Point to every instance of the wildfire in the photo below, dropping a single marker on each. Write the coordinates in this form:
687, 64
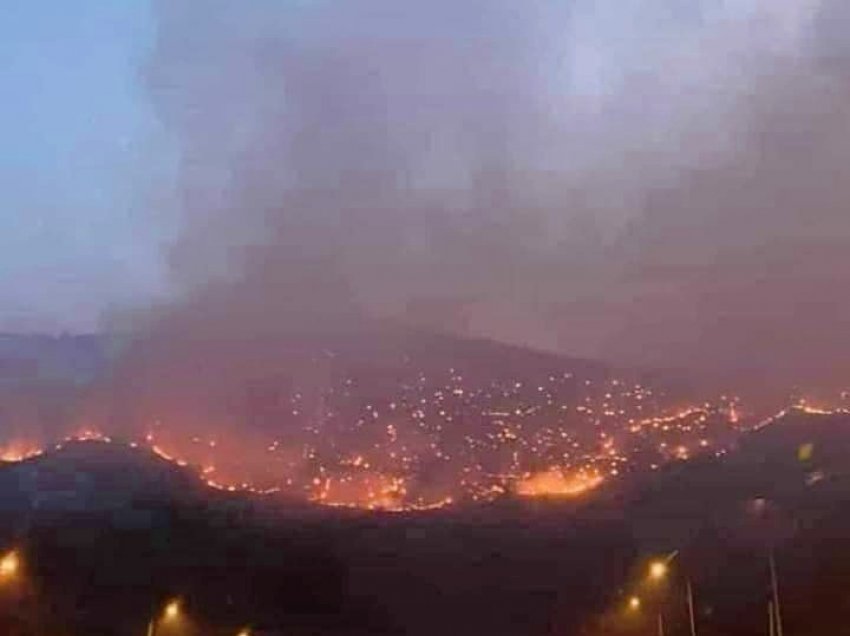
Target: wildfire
809, 409
19, 451
734, 416
88, 435
432, 445
555, 483
372, 491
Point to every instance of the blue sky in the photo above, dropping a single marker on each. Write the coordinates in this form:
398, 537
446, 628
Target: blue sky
80, 142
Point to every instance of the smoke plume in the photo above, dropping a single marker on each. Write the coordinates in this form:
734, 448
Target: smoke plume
653, 183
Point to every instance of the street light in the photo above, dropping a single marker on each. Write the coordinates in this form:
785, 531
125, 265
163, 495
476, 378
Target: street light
172, 610
634, 603
658, 570
170, 613
244, 632
10, 564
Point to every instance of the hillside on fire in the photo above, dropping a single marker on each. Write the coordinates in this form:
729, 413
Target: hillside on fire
99, 515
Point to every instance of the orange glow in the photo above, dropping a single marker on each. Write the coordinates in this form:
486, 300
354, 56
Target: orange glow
658, 570
810, 409
161, 453
88, 435
19, 451
172, 610
609, 432
10, 563
734, 418
370, 491
555, 483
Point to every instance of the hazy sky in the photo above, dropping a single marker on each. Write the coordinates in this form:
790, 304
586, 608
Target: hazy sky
75, 232
83, 155
652, 181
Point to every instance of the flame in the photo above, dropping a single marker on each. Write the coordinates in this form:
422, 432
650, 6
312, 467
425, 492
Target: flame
556, 483
88, 435
734, 416
18, 451
606, 433
809, 409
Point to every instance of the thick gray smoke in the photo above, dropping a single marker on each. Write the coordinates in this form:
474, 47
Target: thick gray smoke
660, 183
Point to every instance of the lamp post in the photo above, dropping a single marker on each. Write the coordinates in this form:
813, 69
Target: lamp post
16, 592
771, 525
170, 613
658, 570
10, 565
771, 627
691, 616
774, 584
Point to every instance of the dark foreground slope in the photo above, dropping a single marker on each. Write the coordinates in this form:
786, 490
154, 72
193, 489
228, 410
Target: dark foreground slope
785, 489
133, 530
109, 533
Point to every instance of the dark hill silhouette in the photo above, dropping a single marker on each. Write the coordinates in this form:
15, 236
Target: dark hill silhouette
110, 532
94, 476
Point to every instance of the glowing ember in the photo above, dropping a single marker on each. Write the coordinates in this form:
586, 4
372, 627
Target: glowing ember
804, 407
431, 443
9, 565
88, 435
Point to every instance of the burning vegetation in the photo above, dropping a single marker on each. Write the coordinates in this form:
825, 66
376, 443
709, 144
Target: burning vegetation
427, 439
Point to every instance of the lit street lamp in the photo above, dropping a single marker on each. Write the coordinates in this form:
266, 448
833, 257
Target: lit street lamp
771, 526
170, 613
10, 564
658, 570
16, 598
172, 610
635, 605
